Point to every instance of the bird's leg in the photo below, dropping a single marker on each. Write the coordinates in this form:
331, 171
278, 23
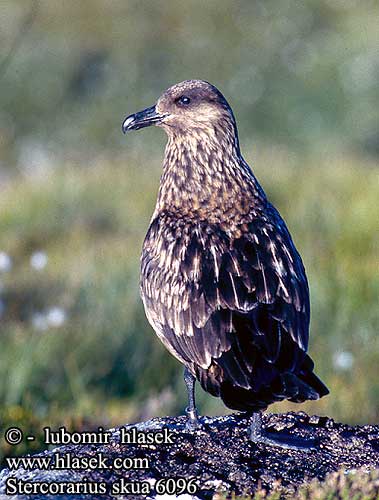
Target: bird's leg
191, 411
288, 442
256, 431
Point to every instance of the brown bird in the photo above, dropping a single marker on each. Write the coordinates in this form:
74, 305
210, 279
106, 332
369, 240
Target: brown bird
221, 280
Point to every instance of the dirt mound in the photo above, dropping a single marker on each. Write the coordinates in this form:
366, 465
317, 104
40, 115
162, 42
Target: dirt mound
219, 456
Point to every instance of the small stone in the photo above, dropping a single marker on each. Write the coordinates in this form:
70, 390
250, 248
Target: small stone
329, 424
314, 419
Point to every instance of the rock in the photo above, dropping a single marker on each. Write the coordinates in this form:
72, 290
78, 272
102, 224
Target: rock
218, 456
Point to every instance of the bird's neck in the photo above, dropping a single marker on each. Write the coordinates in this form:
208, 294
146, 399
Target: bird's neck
204, 175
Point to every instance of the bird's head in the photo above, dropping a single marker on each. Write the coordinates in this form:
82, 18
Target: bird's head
192, 105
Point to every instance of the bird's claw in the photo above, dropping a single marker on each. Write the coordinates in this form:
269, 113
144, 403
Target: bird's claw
285, 442
193, 421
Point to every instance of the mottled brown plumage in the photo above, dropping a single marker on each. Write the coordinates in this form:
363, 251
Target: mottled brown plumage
222, 283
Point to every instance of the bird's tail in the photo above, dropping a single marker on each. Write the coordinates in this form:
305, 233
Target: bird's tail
297, 387
309, 386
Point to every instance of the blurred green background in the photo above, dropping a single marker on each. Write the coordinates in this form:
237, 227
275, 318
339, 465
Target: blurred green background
76, 196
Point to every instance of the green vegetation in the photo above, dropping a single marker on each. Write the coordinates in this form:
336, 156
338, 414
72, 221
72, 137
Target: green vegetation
104, 354
303, 74
356, 485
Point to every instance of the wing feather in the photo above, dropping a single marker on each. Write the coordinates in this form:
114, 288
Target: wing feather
242, 297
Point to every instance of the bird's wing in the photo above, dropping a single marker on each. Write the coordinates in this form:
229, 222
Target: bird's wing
250, 285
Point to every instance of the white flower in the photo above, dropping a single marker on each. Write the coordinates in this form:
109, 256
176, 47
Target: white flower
56, 316
5, 262
38, 260
53, 318
343, 360
39, 321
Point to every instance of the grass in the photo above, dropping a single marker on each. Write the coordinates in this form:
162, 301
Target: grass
356, 485
81, 66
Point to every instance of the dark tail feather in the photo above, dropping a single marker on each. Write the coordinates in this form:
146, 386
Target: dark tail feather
307, 376
297, 387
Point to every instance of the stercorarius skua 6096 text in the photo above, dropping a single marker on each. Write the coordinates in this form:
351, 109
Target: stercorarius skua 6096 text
221, 280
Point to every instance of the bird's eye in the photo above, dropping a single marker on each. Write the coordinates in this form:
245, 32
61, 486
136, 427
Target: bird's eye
183, 100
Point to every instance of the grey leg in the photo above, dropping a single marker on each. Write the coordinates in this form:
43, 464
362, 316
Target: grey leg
289, 442
256, 434
191, 411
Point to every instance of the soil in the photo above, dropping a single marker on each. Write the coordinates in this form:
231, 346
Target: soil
219, 455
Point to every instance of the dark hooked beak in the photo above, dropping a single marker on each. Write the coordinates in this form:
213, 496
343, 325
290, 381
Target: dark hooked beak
145, 118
